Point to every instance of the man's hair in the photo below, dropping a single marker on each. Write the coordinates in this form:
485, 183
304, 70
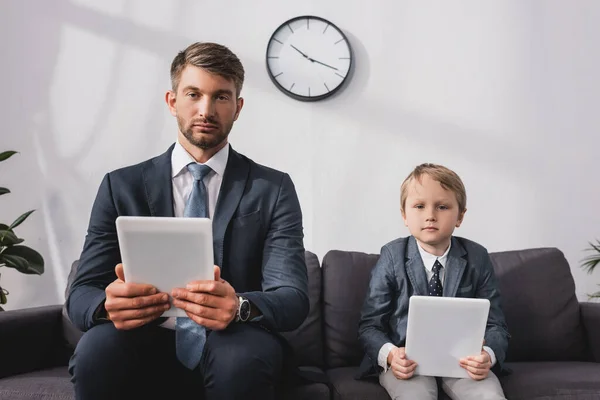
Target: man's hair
445, 176
211, 57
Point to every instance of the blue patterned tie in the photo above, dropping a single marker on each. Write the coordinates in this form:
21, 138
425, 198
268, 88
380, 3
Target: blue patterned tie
435, 284
189, 336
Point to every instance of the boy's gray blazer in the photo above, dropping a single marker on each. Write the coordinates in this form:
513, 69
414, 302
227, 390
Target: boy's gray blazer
400, 273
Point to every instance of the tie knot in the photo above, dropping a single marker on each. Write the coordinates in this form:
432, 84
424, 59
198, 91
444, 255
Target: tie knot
198, 171
436, 267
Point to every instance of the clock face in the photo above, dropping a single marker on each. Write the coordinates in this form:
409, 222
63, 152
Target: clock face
308, 58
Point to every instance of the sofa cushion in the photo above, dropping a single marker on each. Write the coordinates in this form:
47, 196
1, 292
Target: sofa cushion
348, 388
307, 340
55, 384
552, 380
540, 306
346, 277
313, 391
47, 384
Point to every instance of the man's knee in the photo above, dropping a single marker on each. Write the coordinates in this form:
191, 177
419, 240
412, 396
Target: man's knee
105, 351
247, 355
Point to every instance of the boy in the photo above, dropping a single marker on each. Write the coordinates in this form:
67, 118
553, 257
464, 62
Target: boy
430, 262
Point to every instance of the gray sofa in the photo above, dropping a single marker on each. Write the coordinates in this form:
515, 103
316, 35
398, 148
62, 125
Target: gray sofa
554, 351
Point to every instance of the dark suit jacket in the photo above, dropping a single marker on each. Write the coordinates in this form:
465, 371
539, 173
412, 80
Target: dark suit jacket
257, 237
400, 273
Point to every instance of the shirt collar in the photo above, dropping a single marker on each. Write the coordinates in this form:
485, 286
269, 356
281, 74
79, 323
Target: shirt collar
429, 259
180, 158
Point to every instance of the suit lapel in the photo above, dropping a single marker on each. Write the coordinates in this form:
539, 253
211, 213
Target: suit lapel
455, 267
159, 188
415, 269
230, 194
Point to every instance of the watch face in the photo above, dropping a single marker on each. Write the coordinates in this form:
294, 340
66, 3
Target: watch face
244, 310
308, 58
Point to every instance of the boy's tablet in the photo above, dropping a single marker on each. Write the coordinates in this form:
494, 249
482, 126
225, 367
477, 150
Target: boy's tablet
442, 330
166, 252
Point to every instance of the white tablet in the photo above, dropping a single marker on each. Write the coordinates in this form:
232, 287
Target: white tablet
166, 252
442, 330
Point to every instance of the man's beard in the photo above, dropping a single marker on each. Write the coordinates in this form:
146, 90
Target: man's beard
204, 142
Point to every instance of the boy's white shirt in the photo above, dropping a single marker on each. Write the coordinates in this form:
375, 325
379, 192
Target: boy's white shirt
428, 261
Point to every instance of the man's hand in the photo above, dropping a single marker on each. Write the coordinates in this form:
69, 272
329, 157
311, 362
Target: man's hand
402, 368
478, 367
212, 304
131, 305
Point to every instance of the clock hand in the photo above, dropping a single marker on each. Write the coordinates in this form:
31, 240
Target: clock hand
295, 48
319, 62
310, 59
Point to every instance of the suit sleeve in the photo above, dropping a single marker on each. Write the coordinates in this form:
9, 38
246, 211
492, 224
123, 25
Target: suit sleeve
97, 262
496, 332
284, 299
378, 307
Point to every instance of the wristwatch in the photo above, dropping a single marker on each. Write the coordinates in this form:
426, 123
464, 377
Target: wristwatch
243, 311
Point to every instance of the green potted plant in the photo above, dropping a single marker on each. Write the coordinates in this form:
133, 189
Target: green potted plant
12, 253
590, 262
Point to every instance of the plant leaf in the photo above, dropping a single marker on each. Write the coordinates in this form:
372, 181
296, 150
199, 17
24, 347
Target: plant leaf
4, 227
16, 262
8, 238
590, 262
19, 220
34, 259
4, 191
7, 154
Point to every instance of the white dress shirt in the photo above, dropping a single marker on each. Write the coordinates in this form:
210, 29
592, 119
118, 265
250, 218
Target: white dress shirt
183, 180
428, 261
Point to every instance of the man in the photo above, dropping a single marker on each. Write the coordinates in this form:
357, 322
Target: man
218, 352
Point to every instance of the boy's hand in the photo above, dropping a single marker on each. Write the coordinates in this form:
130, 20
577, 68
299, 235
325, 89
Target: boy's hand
478, 367
402, 368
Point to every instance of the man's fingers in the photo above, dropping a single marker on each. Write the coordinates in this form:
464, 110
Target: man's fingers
217, 273
203, 299
208, 323
218, 288
140, 302
118, 289
119, 272
216, 314
135, 323
139, 314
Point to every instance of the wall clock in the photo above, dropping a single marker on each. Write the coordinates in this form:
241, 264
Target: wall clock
308, 58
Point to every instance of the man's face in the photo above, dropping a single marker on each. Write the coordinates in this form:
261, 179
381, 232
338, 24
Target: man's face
205, 106
431, 213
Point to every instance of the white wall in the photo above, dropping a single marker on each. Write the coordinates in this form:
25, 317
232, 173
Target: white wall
504, 92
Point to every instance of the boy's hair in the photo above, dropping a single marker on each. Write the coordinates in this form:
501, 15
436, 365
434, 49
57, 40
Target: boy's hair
211, 57
445, 176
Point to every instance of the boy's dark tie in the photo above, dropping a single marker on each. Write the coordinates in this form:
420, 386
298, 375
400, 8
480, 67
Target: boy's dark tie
435, 284
189, 336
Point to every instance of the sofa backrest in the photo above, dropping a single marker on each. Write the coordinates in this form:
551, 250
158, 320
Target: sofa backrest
307, 340
538, 299
346, 277
540, 306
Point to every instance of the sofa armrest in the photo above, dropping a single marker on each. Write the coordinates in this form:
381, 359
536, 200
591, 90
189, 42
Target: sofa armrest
31, 339
590, 315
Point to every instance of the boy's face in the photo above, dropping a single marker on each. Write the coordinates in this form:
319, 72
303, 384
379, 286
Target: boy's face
431, 214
